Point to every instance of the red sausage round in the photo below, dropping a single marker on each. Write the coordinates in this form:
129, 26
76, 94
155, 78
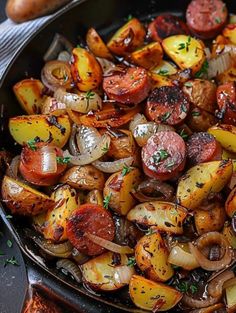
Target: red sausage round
164, 155
202, 147
206, 18
226, 100
130, 86
166, 25
167, 104
93, 219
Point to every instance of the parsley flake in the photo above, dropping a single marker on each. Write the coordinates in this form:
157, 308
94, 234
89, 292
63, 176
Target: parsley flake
186, 286
185, 45
183, 108
203, 71
32, 144
9, 217
105, 148
195, 113
183, 134
131, 261
188, 84
165, 116
129, 17
150, 231
9, 243
163, 72
126, 169
63, 160
106, 201
11, 261
160, 155
218, 20
89, 95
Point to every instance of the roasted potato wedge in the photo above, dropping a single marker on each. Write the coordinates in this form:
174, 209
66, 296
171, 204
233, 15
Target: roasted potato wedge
229, 32
56, 219
96, 45
151, 256
86, 71
202, 94
230, 204
164, 68
152, 296
199, 181
160, 80
231, 298
185, 51
85, 177
227, 76
39, 221
199, 120
128, 38
24, 200
29, 93
226, 135
148, 56
101, 273
94, 197
229, 234
163, 216
46, 127
210, 220
118, 189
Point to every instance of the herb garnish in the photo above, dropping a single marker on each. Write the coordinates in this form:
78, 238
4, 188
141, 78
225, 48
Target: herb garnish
183, 134
203, 70
218, 20
106, 201
131, 261
150, 231
129, 17
185, 287
185, 45
196, 113
183, 108
89, 95
32, 144
63, 160
188, 84
160, 155
126, 169
106, 148
165, 116
11, 261
163, 72
9, 243
9, 216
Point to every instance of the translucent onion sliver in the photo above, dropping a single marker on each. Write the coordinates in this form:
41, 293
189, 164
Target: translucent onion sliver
113, 166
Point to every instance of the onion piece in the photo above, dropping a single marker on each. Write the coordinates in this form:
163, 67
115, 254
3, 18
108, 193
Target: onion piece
79, 257
70, 267
210, 309
82, 102
109, 245
207, 52
182, 258
113, 166
56, 74
64, 56
87, 138
198, 303
105, 65
137, 119
12, 170
123, 274
219, 65
49, 161
86, 158
61, 250
58, 44
207, 240
215, 287
72, 143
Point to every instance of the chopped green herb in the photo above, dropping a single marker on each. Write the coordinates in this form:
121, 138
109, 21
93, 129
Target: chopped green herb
131, 261
106, 148
11, 261
65, 78
160, 155
78, 46
9, 243
183, 108
129, 17
106, 201
183, 286
63, 160
185, 45
193, 288
170, 164
175, 267
181, 46
32, 144
89, 95
9, 217
163, 72
196, 113
165, 116
204, 69
188, 84
183, 134
150, 231
218, 20
126, 169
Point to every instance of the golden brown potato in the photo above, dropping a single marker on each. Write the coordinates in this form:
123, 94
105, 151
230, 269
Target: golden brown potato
209, 220
229, 235
226, 135
227, 76
56, 219
202, 94
85, 177
199, 120
95, 197
24, 200
96, 45
229, 32
47, 127
231, 298
151, 256
152, 296
29, 93
160, 80
164, 68
185, 51
201, 180
118, 189
230, 204
148, 56
23, 10
101, 273
128, 38
86, 71
163, 216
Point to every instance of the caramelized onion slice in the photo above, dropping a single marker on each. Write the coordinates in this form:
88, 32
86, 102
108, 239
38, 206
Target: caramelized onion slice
49, 161
113, 166
70, 267
215, 287
198, 303
182, 258
60, 250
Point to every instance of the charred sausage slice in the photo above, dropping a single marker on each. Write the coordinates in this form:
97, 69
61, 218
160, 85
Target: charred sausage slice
206, 18
164, 155
93, 219
226, 100
130, 86
167, 104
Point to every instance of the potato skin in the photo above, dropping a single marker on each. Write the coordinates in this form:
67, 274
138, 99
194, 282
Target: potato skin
151, 256
23, 200
23, 10
85, 177
148, 56
96, 45
199, 120
202, 94
225, 135
94, 197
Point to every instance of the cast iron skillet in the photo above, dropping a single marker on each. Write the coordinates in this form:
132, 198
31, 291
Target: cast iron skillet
72, 22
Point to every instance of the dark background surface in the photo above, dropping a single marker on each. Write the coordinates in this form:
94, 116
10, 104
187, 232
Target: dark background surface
2, 12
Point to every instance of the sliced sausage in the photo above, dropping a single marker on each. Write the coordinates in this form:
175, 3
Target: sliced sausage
166, 25
226, 100
202, 147
31, 165
167, 104
164, 155
93, 219
131, 85
206, 18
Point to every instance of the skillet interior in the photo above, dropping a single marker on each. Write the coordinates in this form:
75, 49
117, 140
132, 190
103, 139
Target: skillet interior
105, 16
